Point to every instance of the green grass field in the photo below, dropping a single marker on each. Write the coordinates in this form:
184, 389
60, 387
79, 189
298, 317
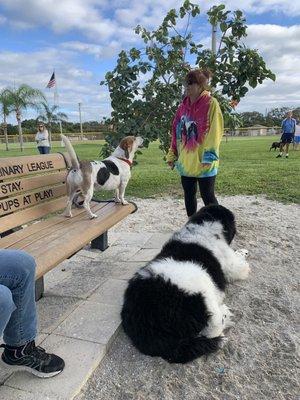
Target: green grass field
247, 167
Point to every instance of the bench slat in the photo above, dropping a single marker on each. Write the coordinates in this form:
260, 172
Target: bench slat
44, 228
59, 237
30, 214
17, 186
30, 199
77, 237
27, 165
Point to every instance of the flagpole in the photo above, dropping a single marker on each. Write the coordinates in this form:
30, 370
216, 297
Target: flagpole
57, 99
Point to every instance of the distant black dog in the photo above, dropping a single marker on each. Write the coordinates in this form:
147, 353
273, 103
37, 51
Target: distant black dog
275, 145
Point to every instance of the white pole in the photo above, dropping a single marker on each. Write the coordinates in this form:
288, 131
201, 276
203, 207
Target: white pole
81, 131
55, 90
56, 103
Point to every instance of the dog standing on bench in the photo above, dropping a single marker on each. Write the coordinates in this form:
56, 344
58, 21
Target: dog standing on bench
113, 173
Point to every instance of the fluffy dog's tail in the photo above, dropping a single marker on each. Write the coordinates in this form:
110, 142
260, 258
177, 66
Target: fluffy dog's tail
71, 151
189, 349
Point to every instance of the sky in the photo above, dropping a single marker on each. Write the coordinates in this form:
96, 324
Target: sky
81, 40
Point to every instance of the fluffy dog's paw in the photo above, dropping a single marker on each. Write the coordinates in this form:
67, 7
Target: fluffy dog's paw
226, 319
92, 216
67, 215
223, 342
124, 202
242, 252
244, 271
117, 200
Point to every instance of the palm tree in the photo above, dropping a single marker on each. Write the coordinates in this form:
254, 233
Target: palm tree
50, 114
5, 110
22, 98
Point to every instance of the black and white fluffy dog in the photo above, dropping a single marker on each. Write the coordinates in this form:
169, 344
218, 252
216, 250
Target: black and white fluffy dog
173, 307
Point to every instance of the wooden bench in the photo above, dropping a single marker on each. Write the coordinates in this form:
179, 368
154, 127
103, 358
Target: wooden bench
33, 188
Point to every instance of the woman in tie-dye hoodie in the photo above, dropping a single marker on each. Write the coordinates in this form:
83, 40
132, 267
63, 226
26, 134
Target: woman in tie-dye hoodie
196, 135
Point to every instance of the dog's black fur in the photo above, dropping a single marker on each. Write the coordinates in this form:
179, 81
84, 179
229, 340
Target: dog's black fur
275, 145
162, 319
199, 255
104, 173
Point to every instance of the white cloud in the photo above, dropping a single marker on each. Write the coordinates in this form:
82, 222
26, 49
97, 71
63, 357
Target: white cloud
287, 7
102, 20
61, 16
98, 51
2, 19
74, 84
279, 47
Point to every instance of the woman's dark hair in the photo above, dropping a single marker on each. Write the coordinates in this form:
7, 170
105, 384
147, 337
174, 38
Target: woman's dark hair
199, 76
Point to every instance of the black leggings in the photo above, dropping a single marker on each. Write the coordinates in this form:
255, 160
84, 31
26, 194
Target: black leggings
207, 191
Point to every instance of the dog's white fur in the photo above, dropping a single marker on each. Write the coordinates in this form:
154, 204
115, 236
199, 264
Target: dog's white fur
83, 178
233, 264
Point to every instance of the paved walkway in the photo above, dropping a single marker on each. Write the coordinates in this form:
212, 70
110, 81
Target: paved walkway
79, 316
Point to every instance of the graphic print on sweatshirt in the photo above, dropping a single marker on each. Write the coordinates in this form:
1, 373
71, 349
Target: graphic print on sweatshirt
187, 132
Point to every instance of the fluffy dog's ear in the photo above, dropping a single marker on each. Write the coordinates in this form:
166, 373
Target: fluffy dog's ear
216, 212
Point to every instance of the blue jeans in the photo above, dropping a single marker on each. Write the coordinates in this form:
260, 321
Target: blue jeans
18, 321
44, 149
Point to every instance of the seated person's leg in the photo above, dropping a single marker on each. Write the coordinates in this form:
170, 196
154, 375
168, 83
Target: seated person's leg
7, 306
17, 274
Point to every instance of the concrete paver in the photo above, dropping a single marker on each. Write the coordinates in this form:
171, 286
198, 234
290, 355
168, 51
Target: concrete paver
133, 239
52, 310
8, 393
94, 322
145, 255
157, 240
121, 270
111, 292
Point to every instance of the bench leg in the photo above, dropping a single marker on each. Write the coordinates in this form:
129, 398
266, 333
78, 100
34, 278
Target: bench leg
39, 288
101, 242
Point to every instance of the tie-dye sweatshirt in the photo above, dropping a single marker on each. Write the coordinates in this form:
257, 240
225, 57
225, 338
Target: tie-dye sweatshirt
197, 131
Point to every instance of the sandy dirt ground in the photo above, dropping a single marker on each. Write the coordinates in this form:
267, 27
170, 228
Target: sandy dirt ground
260, 357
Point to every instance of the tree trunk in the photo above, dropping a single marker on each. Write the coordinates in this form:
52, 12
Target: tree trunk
18, 116
50, 135
5, 132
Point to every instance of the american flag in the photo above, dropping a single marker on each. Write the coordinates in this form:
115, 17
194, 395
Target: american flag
52, 82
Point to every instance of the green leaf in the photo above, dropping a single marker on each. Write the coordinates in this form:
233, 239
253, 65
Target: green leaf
223, 26
272, 76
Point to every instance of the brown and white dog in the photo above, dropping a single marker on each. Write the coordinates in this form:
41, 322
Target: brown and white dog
113, 173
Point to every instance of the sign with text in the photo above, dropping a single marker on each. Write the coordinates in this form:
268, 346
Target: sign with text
11, 188
11, 167
9, 205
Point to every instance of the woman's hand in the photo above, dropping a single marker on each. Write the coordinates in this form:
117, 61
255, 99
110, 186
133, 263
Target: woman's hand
205, 165
171, 164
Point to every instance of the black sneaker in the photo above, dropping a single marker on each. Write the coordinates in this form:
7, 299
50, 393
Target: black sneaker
279, 155
33, 359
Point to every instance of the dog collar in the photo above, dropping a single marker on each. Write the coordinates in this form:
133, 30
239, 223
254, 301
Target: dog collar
127, 161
